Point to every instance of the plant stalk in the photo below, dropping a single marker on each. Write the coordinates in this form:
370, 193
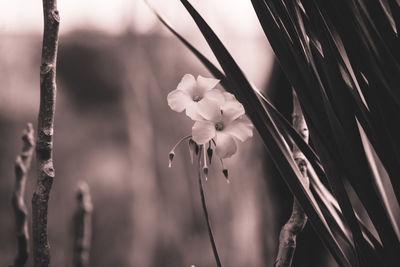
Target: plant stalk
82, 226
203, 202
44, 144
22, 165
298, 219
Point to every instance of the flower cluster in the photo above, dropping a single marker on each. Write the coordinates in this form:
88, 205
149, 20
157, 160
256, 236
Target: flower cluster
220, 120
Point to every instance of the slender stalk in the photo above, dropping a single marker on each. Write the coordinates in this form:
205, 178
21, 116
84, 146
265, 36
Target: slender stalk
22, 165
82, 226
203, 202
44, 144
298, 219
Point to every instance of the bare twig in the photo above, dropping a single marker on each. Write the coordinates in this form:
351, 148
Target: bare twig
298, 219
44, 145
22, 165
203, 202
82, 226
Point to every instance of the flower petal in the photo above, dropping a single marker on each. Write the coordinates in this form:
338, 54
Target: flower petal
178, 100
192, 111
228, 96
226, 145
232, 109
203, 131
206, 84
241, 128
209, 109
187, 84
216, 95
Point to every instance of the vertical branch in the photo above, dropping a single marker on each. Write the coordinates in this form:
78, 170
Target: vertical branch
22, 165
298, 219
82, 226
203, 202
44, 144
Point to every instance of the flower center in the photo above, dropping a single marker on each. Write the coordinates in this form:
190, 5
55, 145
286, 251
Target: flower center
196, 98
219, 126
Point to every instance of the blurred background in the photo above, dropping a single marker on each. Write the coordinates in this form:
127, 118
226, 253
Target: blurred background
114, 130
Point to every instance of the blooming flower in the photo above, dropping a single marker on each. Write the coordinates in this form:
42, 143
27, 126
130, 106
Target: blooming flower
197, 96
225, 126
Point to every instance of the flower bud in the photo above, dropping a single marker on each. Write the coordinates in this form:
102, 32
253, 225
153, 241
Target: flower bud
225, 172
205, 170
193, 149
171, 157
209, 154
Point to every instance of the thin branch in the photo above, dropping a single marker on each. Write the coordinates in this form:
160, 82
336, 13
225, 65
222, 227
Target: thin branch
82, 226
44, 144
298, 219
203, 202
22, 165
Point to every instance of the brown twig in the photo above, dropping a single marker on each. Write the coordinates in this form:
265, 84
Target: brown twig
298, 219
22, 165
82, 226
44, 144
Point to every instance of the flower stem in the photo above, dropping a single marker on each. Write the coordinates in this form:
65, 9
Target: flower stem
180, 141
203, 202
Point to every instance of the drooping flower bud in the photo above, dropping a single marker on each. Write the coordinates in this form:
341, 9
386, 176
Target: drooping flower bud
193, 149
205, 167
225, 172
205, 171
172, 153
209, 154
171, 157
197, 148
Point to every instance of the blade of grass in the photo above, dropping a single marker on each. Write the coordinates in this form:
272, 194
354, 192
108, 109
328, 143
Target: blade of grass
336, 183
341, 140
371, 192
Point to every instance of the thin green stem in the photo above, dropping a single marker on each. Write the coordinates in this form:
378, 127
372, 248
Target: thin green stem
203, 202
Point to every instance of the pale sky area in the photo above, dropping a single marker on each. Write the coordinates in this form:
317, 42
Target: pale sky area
115, 16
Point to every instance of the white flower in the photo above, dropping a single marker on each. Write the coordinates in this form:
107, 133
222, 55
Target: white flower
197, 97
225, 126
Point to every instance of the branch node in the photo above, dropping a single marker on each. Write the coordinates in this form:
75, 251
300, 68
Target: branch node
45, 68
56, 15
48, 169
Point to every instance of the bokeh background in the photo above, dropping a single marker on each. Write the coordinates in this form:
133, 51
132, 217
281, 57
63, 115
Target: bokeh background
114, 130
